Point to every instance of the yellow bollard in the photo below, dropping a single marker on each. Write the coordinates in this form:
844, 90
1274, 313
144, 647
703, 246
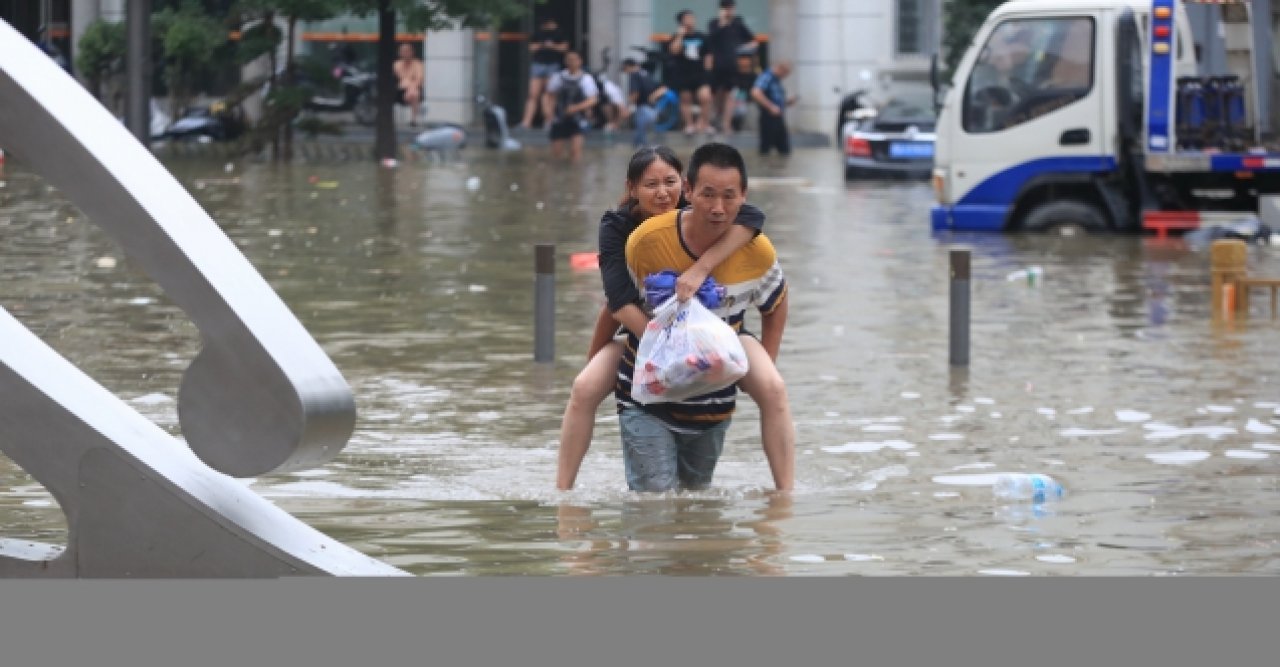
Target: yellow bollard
1227, 262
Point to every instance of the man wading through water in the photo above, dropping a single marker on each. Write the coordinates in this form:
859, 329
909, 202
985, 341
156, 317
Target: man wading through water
676, 445
573, 93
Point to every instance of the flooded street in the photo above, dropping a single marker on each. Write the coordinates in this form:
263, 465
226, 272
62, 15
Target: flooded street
1107, 374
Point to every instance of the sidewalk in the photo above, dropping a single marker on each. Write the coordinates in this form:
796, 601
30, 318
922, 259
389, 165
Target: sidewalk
357, 142
745, 140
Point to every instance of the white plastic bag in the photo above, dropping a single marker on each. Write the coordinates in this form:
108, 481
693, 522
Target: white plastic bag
686, 351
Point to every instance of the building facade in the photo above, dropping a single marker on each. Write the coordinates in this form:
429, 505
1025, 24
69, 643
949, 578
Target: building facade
836, 46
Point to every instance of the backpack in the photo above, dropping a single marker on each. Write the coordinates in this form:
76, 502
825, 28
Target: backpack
569, 93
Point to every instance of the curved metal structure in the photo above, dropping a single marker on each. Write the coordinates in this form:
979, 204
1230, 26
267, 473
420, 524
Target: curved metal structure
260, 397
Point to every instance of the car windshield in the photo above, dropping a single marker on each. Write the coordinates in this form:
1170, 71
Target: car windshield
908, 108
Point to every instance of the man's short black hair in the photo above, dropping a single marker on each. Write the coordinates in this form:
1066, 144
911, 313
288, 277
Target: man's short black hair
726, 4
629, 62
718, 155
681, 14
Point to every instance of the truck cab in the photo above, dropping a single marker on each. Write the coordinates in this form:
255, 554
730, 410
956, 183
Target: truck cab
1068, 115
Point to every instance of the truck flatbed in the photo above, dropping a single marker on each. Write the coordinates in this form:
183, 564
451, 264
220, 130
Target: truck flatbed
1211, 162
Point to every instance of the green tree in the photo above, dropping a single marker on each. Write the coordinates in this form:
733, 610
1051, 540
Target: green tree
963, 18
100, 54
420, 15
191, 40
261, 36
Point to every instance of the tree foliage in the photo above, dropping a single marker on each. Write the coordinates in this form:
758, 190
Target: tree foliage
963, 18
191, 39
444, 14
101, 53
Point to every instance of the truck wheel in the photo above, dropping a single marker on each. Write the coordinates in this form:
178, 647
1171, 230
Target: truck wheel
1065, 218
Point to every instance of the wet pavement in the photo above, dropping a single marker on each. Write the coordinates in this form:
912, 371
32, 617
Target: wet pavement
1107, 374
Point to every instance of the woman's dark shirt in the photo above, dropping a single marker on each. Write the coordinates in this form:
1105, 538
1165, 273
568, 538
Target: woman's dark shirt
615, 226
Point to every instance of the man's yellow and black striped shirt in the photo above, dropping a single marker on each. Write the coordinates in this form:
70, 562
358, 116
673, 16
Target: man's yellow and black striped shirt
751, 277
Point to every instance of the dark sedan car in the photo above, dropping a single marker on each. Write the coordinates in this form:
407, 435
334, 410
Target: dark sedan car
896, 140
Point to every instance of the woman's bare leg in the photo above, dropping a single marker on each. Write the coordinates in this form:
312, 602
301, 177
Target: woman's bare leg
590, 388
686, 111
777, 432
531, 104
704, 104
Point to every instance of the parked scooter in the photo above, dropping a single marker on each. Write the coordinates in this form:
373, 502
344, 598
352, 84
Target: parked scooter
854, 106
357, 94
206, 124
496, 132
442, 138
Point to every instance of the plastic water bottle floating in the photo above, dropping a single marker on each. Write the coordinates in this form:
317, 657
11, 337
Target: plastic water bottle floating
1031, 274
1036, 487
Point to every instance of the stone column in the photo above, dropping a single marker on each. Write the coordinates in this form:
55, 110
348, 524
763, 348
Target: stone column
449, 61
784, 45
635, 27
83, 12
841, 41
603, 29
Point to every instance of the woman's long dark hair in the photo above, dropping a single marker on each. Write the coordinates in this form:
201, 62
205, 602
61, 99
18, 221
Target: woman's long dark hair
640, 161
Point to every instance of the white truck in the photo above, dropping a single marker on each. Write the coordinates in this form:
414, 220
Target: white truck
1092, 115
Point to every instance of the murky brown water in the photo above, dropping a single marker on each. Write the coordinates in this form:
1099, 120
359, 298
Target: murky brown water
1107, 375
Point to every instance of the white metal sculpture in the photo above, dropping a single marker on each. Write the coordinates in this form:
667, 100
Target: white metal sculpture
260, 397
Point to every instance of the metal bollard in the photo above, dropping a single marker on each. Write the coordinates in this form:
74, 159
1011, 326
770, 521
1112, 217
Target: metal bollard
960, 307
544, 303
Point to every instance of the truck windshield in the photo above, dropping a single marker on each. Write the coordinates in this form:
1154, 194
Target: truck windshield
1029, 68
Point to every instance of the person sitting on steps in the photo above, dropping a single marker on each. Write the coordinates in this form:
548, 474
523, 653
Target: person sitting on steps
409, 75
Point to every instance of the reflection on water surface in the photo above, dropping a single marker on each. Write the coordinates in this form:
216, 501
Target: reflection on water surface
1106, 375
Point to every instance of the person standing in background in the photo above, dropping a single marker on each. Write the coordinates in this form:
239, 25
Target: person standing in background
772, 98
727, 37
409, 73
548, 46
688, 75
573, 94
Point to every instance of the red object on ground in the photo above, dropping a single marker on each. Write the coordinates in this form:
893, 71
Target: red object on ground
584, 261
1163, 221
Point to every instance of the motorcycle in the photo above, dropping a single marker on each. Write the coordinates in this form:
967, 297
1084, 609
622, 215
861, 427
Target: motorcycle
854, 106
496, 132
205, 124
357, 94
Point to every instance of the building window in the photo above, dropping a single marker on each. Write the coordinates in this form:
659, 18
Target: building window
916, 28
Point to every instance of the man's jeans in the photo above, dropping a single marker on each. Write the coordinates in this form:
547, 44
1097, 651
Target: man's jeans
657, 458
644, 119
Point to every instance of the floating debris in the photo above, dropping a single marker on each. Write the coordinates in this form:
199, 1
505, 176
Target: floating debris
1132, 416
1255, 426
1179, 458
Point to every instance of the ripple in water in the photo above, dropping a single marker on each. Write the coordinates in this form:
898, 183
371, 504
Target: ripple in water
1183, 457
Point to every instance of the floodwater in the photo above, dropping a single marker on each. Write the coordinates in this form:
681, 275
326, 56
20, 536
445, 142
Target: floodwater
1107, 374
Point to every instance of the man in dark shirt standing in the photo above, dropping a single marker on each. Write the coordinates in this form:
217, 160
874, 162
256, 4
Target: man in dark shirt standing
688, 75
773, 100
727, 36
